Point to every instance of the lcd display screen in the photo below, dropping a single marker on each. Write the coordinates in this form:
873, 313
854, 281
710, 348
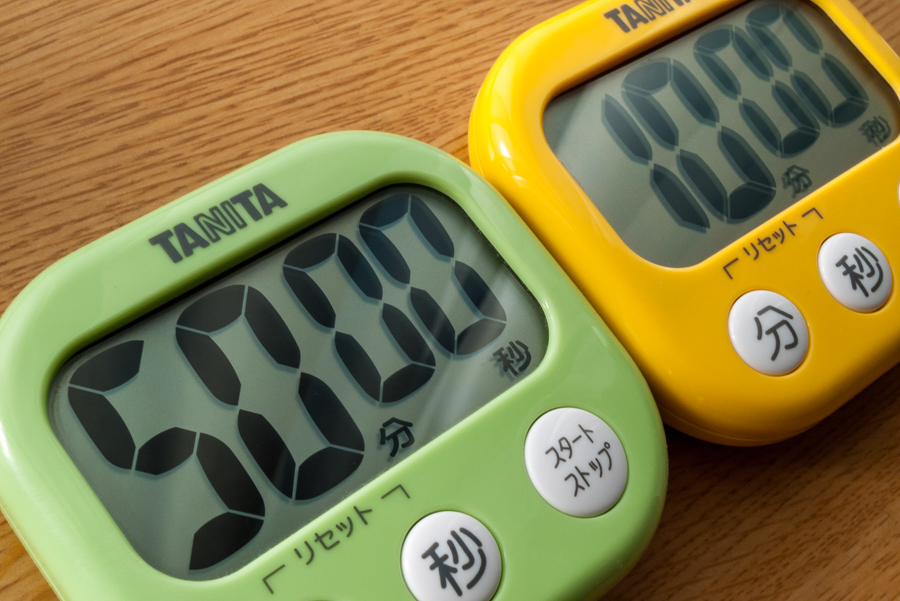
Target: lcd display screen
217, 426
693, 145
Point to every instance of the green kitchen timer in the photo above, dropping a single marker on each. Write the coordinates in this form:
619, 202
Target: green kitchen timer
346, 372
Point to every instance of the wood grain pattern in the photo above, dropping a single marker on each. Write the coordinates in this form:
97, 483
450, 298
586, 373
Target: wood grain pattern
109, 109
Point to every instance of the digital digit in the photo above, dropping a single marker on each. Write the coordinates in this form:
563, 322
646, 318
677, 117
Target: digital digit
706, 51
218, 310
321, 248
330, 465
324, 469
639, 88
855, 102
223, 535
472, 338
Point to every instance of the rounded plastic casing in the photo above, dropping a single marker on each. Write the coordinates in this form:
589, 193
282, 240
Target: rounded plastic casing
673, 321
476, 467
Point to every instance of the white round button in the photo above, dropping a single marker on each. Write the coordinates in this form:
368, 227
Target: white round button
448, 556
768, 332
576, 462
855, 272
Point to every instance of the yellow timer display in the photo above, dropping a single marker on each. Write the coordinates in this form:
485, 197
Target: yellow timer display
720, 179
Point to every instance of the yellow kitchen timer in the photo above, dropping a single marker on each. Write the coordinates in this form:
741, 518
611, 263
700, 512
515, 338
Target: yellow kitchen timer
720, 178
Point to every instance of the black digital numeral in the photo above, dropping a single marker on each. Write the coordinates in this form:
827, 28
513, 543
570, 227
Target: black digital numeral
639, 88
356, 359
855, 102
220, 537
215, 311
475, 336
706, 51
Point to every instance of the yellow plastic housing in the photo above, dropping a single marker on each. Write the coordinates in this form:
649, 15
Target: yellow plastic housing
673, 321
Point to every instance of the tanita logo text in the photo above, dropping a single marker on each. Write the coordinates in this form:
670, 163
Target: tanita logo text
632, 15
220, 220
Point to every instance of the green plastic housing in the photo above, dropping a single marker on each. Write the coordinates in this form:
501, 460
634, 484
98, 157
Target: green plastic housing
476, 467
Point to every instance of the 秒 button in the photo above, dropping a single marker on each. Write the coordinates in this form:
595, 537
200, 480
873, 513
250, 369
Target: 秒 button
855, 272
576, 462
768, 332
448, 556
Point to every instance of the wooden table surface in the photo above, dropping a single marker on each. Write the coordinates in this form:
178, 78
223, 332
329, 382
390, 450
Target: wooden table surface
112, 108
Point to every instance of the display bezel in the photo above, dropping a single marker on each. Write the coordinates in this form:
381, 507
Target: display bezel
430, 397
673, 320
638, 193
122, 277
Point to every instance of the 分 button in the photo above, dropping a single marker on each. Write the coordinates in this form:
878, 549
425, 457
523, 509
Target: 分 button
855, 272
768, 332
448, 556
576, 462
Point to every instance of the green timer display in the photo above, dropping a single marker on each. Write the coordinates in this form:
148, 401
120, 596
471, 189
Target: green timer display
225, 422
272, 383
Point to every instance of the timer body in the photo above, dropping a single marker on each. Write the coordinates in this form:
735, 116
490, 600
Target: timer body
720, 179
316, 378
